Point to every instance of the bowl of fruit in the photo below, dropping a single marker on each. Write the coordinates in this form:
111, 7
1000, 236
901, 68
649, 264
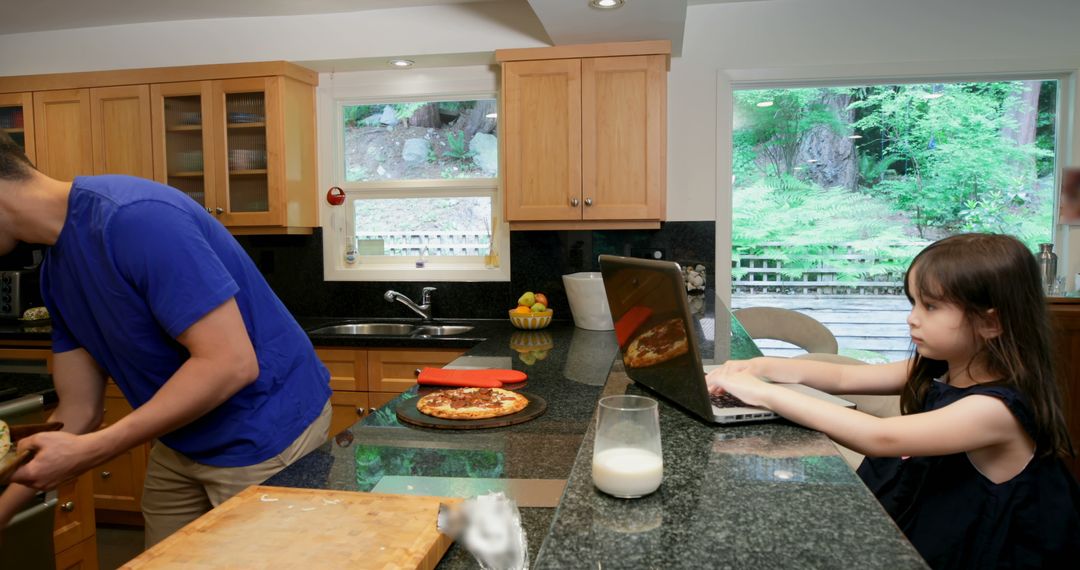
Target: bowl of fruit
532, 312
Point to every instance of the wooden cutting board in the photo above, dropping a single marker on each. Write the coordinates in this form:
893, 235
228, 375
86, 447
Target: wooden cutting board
279, 527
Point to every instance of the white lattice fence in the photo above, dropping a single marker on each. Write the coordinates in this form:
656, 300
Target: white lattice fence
765, 273
431, 243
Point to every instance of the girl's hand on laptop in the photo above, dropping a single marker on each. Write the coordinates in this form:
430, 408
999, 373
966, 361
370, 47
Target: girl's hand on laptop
741, 384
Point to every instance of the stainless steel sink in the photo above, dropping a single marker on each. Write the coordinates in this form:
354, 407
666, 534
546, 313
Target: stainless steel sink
441, 330
369, 329
393, 329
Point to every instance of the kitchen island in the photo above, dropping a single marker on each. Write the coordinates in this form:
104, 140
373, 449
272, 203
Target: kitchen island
768, 494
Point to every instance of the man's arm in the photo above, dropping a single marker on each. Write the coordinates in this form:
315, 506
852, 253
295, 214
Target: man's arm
222, 362
80, 386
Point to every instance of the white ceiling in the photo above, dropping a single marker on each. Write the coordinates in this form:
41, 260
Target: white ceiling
565, 21
41, 15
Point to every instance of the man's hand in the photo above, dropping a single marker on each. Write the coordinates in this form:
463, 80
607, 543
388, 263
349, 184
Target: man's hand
58, 456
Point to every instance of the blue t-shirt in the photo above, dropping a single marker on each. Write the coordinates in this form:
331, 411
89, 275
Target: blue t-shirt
136, 264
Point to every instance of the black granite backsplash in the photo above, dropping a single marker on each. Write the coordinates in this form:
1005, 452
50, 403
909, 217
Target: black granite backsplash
538, 259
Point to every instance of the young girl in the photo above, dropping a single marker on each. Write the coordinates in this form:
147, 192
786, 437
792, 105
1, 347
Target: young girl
972, 470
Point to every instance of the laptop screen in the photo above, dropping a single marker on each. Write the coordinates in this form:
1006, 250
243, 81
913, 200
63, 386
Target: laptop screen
663, 342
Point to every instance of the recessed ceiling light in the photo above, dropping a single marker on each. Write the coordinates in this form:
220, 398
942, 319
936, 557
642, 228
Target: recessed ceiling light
401, 62
491, 115
605, 4
765, 104
854, 136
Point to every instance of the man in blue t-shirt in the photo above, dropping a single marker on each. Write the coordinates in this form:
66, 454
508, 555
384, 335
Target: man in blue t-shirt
146, 288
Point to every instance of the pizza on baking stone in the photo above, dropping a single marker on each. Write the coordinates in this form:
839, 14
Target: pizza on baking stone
471, 403
659, 343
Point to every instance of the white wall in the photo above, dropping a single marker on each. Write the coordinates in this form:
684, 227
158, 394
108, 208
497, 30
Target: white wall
455, 28
802, 41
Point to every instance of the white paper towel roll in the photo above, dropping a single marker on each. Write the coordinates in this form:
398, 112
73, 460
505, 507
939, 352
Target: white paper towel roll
588, 302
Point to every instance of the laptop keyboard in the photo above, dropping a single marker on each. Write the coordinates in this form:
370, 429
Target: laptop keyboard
726, 400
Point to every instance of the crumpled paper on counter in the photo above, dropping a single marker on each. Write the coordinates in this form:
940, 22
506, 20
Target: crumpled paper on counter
489, 527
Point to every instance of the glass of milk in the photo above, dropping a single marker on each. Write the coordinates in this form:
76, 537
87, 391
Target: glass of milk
627, 461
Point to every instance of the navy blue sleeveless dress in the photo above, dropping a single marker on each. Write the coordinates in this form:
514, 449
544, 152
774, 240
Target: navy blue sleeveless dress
957, 518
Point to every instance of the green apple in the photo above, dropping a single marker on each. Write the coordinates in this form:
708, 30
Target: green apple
538, 308
527, 299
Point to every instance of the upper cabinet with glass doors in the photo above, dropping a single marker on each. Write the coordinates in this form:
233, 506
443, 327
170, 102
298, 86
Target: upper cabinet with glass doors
17, 120
239, 139
242, 148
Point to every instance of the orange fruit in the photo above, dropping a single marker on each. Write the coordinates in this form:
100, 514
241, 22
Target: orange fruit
522, 309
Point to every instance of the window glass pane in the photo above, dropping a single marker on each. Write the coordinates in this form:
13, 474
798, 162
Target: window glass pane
423, 226
421, 141
836, 189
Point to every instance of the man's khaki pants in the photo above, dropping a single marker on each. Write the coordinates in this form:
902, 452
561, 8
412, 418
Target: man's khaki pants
179, 490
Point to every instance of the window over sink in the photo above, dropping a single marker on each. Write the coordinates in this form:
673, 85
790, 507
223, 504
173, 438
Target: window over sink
415, 154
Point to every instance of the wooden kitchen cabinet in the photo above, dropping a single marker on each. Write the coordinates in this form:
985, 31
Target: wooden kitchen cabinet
65, 147
118, 483
120, 130
17, 120
82, 556
1065, 320
395, 369
93, 131
243, 148
74, 515
237, 138
365, 379
584, 135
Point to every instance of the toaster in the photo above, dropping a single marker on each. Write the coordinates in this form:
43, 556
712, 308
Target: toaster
19, 290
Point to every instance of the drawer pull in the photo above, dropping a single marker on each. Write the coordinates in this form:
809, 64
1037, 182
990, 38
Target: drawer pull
106, 474
361, 411
68, 506
416, 372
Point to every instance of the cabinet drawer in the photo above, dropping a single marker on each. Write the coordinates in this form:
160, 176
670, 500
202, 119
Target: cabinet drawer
348, 368
395, 370
82, 556
74, 512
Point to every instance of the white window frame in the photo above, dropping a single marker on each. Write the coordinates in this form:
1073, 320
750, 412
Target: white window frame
728, 80
337, 91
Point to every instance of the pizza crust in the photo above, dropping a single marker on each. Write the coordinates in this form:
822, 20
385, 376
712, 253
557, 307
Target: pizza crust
5, 438
471, 403
657, 344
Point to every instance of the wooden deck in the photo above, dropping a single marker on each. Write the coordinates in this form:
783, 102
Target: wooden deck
875, 323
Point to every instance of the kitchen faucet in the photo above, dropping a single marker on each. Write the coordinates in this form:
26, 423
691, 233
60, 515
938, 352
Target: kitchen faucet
424, 309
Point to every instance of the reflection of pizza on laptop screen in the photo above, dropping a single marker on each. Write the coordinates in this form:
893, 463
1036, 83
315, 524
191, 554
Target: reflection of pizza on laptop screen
659, 343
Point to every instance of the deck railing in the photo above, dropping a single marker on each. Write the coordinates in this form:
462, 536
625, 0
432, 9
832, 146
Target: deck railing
430, 243
839, 271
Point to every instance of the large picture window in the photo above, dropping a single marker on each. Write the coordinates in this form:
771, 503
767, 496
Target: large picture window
837, 188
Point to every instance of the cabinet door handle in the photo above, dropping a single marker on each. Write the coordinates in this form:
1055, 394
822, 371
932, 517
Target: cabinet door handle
416, 372
209, 210
219, 211
68, 506
361, 411
588, 201
574, 202
106, 474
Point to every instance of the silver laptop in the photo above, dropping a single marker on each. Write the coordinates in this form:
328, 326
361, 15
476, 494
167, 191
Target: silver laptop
660, 340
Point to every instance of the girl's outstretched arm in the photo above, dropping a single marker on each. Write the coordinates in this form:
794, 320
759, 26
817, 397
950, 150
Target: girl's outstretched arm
972, 423
828, 377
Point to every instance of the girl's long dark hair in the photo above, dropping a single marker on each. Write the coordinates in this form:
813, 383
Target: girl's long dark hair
977, 273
